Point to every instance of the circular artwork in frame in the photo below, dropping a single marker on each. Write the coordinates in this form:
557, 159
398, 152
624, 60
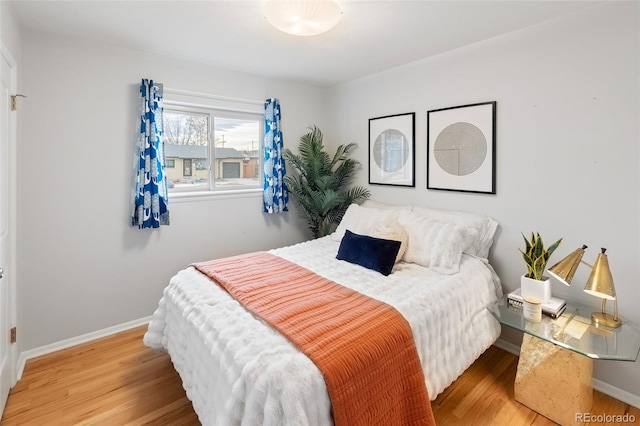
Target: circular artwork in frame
460, 149
392, 150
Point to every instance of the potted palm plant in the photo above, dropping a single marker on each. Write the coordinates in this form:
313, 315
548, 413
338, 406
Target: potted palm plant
536, 256
319, 185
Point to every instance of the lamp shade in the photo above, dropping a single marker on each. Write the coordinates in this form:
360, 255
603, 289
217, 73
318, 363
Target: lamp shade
600, 282
565, 269
302, 17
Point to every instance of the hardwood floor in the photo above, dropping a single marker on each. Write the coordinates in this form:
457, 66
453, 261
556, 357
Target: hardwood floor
118, 381
112, 381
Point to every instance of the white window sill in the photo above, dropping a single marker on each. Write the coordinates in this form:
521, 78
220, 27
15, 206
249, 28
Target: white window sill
185, 197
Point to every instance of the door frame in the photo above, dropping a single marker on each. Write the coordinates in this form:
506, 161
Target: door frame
11, 269
186, 161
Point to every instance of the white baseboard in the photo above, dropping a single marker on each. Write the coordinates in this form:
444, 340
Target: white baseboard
617, 393
506, 346
67, 343
599, 385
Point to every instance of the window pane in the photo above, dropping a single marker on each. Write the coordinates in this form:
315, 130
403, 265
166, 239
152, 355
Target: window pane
186, 145
237, 152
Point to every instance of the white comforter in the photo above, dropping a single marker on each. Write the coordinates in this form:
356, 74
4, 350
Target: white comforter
237, 370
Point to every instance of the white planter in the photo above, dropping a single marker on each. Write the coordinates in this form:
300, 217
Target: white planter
541, 290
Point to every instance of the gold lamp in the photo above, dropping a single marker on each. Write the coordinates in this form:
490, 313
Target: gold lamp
564, 270
599, 284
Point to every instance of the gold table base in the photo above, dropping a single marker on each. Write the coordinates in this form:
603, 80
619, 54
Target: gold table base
553, 381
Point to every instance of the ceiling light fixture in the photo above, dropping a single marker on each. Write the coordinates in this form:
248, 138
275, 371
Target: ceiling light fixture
302, 17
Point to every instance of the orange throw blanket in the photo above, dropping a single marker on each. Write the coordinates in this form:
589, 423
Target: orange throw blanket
363, 347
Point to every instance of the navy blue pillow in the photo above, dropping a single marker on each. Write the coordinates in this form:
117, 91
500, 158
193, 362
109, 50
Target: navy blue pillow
372, 253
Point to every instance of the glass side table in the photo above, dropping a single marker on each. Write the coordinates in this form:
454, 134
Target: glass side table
556, 357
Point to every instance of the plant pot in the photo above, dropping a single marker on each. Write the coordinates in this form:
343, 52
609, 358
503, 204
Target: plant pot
535, 288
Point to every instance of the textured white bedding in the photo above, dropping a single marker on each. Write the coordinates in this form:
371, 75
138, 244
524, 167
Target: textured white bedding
237, 370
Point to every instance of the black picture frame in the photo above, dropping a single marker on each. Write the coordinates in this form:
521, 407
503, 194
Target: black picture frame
392, 150
461, 148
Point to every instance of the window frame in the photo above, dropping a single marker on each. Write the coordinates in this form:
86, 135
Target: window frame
213, 111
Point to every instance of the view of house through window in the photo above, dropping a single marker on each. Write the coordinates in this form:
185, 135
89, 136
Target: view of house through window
209, 150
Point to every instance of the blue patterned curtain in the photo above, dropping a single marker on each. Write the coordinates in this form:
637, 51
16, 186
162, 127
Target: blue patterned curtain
150, 197
276, 195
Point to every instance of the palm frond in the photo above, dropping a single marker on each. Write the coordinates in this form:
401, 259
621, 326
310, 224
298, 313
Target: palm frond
318, 180
345, 171
342, 153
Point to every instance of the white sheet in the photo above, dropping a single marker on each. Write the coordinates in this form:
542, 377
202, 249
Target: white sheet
237, 370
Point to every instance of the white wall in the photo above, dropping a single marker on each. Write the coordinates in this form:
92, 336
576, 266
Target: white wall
82, 267
568, 103
10, 29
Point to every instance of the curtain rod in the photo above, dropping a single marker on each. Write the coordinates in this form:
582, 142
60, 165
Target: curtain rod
216, 97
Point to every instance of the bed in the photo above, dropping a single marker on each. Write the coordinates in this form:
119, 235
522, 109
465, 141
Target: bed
236, 369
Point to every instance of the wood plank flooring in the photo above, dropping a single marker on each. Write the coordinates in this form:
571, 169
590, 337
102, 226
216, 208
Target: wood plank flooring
118, 381
111, 381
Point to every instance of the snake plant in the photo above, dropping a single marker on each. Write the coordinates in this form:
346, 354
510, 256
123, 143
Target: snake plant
536, 256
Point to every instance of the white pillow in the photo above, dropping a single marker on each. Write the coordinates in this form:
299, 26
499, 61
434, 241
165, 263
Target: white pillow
361, 220
379, 205
434, 244
484, 225
391, 231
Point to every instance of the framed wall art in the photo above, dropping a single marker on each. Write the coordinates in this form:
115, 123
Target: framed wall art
392, 150
461, 148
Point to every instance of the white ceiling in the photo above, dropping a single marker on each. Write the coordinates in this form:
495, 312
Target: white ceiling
371, 37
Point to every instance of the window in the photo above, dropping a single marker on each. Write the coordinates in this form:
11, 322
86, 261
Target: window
209, 149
